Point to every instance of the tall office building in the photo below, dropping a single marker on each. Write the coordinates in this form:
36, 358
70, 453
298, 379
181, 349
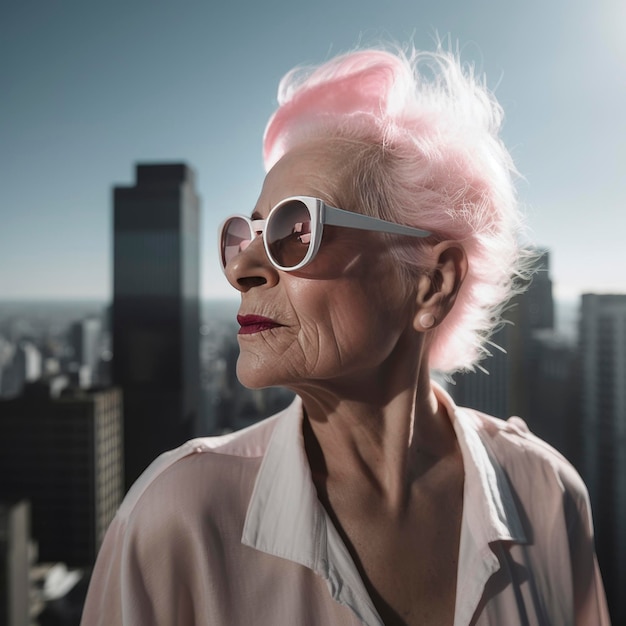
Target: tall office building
506, 388
603, 381
14, 563
155, 316
553, 406
549, 360
536, 376
85, 338
64, 455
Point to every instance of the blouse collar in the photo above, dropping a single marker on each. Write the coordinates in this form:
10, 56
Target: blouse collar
286, 519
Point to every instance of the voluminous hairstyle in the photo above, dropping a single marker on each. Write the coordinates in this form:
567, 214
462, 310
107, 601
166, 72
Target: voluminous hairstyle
425, 130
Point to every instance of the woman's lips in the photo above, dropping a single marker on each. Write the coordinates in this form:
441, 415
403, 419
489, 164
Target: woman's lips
251, 324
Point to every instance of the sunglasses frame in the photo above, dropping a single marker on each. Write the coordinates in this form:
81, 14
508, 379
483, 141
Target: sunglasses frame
321, 213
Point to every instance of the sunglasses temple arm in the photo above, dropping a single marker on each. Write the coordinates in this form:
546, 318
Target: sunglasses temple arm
348, 219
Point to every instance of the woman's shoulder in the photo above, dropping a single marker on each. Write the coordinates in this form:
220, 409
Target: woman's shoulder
203, 469
526, 457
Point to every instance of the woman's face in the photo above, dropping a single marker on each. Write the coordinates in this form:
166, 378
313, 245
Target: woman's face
338, 319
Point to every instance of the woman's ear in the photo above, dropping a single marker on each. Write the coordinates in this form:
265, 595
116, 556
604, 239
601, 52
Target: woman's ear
438, 287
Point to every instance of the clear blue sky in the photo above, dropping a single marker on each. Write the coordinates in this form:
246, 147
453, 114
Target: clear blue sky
89, 89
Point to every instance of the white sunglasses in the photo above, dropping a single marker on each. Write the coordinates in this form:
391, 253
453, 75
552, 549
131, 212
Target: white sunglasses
292, 232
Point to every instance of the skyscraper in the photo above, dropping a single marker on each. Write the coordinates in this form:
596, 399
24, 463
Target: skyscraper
507, 387
85, 337
14, 563
603, 373
64, 455
155, 316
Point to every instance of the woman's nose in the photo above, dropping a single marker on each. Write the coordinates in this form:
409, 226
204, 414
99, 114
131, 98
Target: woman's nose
251, 268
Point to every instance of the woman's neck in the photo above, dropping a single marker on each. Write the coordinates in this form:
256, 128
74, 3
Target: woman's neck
380, 440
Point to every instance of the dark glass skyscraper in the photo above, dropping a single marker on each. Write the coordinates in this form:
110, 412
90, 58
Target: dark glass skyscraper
155, 316
508, 388
603, 382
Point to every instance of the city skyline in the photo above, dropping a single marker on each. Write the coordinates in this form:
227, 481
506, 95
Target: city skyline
548, 382
92, 91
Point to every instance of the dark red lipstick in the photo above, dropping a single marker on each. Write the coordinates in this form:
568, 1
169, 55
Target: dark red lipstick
255, 324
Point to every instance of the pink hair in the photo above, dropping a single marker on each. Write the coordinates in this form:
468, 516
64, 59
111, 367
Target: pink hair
428, 154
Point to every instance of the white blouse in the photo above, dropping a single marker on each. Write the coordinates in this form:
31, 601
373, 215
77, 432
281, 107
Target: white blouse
229, 531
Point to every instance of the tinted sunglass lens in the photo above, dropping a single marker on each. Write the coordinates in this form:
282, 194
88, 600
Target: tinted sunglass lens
235, 238
289, 233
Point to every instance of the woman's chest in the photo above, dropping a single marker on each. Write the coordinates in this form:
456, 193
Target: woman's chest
408, 563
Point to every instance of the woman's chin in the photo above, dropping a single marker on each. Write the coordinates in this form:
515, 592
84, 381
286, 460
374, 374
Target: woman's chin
257, 377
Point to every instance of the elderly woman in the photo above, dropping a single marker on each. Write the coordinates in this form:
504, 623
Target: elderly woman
383, 245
